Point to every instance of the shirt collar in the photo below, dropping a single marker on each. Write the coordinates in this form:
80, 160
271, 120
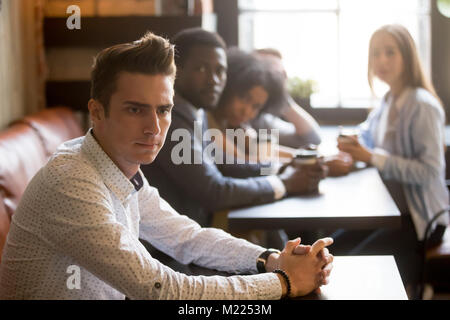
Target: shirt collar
112, 176
137, 181
187, 109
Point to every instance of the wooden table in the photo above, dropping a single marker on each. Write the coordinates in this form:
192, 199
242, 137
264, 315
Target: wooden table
352, 277
359, 200
363, 278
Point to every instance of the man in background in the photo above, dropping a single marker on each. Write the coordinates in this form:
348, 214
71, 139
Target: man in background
199, 190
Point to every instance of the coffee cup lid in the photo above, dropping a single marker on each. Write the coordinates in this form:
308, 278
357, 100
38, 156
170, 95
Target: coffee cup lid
306, 154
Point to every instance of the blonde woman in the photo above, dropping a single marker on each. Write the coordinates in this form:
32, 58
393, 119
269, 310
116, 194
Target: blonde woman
404, 139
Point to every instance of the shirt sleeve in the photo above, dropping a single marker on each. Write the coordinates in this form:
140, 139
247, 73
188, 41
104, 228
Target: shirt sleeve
184, 240
278, 187
85, 229
379, 157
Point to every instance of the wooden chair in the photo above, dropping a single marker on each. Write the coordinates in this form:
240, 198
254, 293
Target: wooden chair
436, 260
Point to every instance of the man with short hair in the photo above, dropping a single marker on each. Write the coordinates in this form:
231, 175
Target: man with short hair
200, 189
82, 215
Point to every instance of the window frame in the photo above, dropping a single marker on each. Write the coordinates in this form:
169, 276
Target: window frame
228, 17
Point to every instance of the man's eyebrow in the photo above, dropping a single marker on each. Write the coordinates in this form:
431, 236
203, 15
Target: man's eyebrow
145, 105
137, 104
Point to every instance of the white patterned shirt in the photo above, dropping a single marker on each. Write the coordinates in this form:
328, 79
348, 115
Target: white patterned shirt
75, 235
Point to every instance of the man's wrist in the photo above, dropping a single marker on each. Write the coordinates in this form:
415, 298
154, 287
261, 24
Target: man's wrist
283, 285
265, 261
272, 262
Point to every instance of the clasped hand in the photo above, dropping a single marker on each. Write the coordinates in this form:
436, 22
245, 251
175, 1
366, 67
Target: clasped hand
308, 267
302, 179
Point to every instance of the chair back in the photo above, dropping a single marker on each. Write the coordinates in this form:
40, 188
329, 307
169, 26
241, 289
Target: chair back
25, 147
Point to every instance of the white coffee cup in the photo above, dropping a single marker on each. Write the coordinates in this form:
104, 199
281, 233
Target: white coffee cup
347, 135
345, 139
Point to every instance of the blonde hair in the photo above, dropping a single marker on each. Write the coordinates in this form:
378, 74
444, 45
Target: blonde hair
413, 74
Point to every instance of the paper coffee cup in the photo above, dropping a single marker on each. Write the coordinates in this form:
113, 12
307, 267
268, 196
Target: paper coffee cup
345, 139
306, 157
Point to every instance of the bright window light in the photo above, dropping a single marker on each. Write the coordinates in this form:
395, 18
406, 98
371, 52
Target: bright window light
327, 41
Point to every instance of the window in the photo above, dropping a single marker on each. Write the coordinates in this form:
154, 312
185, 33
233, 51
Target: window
327, 41
444, 7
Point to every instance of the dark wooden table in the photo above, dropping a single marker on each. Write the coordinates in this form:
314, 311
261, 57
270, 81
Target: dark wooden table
359, 200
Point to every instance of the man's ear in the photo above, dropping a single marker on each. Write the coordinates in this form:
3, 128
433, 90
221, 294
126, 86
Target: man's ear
96, 110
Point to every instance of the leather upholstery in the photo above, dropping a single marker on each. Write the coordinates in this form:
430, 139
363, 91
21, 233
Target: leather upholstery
4, 225
25, 147
54, 126
22, 156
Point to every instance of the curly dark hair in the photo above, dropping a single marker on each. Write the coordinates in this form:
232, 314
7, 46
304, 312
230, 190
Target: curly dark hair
246, 71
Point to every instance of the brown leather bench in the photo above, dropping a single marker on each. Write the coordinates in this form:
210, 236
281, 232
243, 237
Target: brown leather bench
25, 147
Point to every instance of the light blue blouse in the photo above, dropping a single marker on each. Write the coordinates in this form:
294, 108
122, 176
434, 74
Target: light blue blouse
419, 162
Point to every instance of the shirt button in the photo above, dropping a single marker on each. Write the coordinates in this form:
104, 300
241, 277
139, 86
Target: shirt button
158, 285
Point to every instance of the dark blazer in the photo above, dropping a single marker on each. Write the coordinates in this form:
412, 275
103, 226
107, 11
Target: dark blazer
198, 190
